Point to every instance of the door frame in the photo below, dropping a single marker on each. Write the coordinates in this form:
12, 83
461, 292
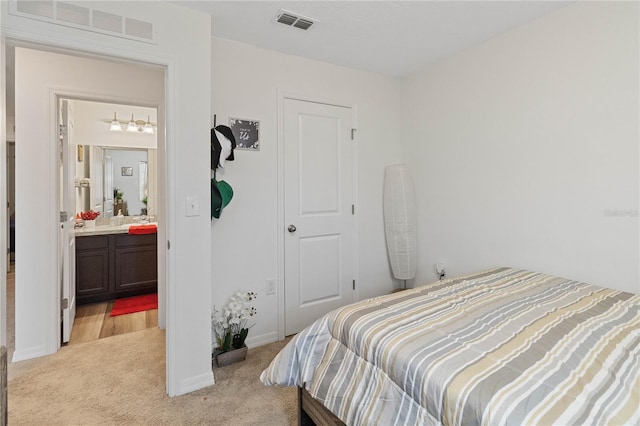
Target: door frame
69, 95
282, 95
4, 220
166, 206
66, 237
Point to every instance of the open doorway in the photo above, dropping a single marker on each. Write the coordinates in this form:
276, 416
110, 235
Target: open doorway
37, 156
109, 169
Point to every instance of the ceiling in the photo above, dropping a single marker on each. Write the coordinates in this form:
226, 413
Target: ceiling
393, 38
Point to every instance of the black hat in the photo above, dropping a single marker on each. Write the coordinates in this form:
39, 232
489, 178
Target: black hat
226, 131
216, 147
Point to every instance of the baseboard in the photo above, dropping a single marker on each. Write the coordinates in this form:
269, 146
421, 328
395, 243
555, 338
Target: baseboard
30, 353
195, 383
263, 339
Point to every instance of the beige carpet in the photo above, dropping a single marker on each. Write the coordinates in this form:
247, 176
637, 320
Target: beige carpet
121, 380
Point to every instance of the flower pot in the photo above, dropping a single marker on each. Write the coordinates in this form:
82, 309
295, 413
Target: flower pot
89, 224
230, 357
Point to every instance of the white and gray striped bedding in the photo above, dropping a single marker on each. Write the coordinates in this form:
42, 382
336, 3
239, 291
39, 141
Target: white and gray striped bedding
498, 347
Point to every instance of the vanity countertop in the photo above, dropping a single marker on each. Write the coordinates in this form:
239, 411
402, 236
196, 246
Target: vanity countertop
108, 229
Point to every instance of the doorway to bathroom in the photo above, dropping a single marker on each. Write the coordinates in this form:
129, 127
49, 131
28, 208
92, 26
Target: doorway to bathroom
108, 173
37, 143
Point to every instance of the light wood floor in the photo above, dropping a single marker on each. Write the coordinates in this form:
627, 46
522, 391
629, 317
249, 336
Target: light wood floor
93, 322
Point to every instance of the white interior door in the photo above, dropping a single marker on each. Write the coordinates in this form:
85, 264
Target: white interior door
68, 198
319, 221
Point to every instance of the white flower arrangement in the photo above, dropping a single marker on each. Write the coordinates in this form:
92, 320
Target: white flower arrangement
230, 323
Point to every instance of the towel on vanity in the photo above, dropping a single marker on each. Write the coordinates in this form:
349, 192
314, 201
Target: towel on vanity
143, 229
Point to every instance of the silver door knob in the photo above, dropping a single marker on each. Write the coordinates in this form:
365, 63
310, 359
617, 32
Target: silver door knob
291, 228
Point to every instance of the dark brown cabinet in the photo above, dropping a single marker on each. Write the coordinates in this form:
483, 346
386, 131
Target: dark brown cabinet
115, 265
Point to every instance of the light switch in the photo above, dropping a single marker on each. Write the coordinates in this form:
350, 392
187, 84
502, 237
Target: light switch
193, 205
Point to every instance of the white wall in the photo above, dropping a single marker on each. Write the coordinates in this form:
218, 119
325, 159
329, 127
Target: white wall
246, 81
525, 149
187, 106
91, 128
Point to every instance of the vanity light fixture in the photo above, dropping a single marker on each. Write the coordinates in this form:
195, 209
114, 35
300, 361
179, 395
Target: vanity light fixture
134, 126
148, 128
115, 124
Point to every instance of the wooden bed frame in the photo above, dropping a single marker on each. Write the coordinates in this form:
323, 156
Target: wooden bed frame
311, 408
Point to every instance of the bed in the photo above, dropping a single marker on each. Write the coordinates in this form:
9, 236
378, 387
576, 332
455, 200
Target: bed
501, 346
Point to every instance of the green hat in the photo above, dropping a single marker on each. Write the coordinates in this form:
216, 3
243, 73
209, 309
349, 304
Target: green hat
221, 195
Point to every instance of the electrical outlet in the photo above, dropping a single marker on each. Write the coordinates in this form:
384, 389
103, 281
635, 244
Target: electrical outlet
441, 268
270, 286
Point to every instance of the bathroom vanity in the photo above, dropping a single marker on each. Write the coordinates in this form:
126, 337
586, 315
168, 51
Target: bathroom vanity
111, 263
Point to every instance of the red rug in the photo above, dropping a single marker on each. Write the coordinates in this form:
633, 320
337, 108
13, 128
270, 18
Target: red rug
130, 305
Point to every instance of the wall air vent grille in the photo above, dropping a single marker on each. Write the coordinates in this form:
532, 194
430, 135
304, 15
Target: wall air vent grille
84, 18
43, 9
136, 28
294, 20
74, 14
107, 21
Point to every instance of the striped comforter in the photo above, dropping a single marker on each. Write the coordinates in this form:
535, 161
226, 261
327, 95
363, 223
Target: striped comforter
502, 346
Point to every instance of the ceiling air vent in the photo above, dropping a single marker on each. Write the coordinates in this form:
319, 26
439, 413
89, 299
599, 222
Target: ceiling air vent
287, 19
303, 24
295, 20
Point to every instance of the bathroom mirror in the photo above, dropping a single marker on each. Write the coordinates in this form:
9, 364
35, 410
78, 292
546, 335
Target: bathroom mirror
109, 191
116, 168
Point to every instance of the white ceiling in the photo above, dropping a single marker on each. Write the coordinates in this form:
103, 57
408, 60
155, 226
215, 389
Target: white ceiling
387, 37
